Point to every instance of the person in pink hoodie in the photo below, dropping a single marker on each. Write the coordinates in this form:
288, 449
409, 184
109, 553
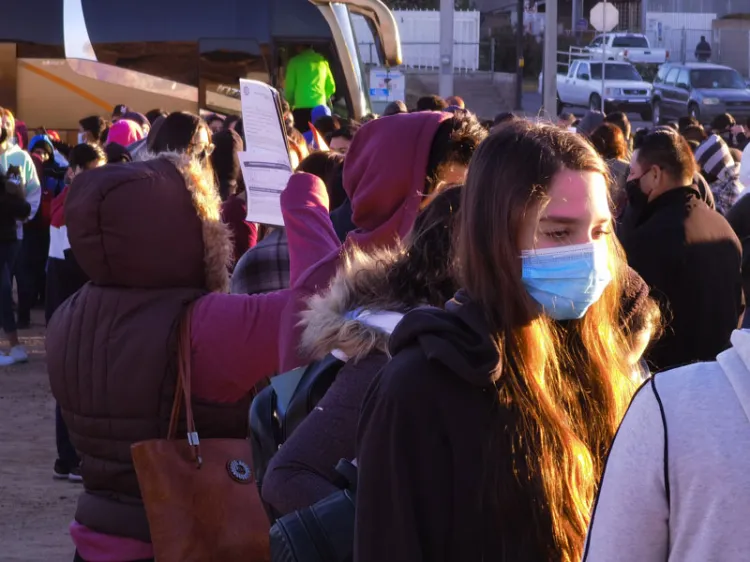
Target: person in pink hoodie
125, 132
394, 168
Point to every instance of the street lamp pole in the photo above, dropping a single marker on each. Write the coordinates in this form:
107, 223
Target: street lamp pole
550, 59
445, 86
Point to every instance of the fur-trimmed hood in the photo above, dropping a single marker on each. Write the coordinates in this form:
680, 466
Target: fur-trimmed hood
154, 223
355, 316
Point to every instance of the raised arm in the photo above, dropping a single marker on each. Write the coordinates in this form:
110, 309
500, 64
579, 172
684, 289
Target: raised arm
236, 338
309, 230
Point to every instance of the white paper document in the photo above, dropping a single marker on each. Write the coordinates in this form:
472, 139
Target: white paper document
265, 163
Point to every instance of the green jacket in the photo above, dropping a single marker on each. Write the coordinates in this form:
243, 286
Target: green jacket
309, 80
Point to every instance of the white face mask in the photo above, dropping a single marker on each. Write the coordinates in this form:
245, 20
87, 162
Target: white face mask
81, 138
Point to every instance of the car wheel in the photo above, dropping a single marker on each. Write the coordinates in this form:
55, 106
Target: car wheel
694, 111
595, 102
656, 113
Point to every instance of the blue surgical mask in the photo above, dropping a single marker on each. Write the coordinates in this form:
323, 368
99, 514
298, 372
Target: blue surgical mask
566, 280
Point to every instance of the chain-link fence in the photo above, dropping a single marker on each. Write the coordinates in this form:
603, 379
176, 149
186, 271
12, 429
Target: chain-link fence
730, 47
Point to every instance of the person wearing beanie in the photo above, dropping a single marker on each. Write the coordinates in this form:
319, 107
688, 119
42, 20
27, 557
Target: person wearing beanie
124, 132
640, 320
720, 171
590, 122
317, 112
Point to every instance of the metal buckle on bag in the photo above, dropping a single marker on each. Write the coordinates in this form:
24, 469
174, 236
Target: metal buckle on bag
195, 442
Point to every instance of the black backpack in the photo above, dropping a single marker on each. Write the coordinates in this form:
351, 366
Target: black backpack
280, 408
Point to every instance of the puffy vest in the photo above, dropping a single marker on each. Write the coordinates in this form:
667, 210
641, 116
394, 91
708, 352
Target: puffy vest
112, 362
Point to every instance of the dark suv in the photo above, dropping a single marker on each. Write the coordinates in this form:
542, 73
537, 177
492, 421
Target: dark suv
701, 90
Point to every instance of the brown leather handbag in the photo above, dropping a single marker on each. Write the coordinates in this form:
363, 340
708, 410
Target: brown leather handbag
201, 497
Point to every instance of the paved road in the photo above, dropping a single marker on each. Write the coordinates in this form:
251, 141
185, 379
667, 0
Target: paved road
532, 102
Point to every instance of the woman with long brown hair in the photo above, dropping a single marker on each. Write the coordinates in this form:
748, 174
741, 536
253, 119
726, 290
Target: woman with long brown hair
485, 435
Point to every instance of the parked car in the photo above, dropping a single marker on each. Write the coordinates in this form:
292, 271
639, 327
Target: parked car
624, 89
699, 89
630, 47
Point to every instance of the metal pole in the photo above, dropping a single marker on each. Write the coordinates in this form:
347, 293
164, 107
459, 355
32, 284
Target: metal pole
519, 54
446, 48
604, 54
550, 59
492, 56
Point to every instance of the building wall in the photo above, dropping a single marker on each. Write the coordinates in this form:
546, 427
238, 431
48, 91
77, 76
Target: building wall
718, 7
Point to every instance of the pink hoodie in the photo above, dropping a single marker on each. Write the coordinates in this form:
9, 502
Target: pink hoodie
124, 132
384, 177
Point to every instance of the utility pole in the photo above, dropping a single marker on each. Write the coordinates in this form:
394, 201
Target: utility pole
519, 54
446, 48
550, 60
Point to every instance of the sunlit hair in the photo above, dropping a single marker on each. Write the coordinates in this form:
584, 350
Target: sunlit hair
562, 387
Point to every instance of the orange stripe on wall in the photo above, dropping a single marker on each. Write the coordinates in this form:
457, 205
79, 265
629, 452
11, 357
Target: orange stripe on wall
68, 86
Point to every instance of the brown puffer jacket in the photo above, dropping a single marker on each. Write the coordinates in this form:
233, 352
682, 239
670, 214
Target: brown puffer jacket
149, 237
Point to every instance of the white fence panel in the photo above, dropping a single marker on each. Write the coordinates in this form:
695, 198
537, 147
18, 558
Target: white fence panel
420, 39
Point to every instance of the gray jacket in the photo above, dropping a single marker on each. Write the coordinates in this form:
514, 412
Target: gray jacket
677, 486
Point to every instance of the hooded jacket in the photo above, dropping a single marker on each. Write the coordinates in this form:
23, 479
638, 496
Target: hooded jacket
124, 132
423, 443
384, 179
112, 346
353, 320
676, 484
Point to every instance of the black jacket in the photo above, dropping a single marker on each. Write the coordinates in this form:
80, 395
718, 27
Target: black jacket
424, 445
12, 208
691, 259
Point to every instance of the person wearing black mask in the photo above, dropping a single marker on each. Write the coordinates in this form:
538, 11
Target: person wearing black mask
686, 252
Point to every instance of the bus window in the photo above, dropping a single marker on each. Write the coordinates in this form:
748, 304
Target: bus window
172, 60
222, 63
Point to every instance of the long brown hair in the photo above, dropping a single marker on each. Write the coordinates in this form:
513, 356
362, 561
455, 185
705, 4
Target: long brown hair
562, 387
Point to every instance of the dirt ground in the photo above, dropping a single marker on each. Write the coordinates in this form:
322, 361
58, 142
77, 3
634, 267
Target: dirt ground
35, 510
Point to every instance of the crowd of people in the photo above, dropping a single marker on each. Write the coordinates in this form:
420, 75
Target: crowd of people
534, 325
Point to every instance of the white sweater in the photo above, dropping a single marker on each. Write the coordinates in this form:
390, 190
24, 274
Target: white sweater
676, 486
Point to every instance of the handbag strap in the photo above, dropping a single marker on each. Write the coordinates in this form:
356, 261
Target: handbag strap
183, 390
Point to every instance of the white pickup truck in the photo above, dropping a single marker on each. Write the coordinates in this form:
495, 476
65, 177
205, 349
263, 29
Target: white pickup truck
624, 89
630, 47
